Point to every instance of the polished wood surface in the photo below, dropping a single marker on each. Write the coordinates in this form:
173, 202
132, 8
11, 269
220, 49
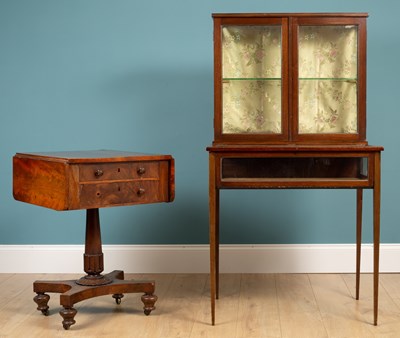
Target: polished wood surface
71, 181
242, 173
294, 15
250, 306
290, 23
91, 180
290, 159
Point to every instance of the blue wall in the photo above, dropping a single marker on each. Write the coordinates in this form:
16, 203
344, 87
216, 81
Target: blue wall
137, 75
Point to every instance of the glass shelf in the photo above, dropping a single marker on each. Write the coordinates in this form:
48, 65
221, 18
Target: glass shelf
252, 79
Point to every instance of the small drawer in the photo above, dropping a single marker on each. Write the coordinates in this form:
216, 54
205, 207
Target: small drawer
118, 171
119, 193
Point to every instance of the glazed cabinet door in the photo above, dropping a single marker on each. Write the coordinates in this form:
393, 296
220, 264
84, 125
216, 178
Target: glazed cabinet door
287, 78
329, 93
251, 79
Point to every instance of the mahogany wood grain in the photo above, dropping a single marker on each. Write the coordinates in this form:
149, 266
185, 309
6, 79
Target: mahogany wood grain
290, 23
91, 180
254, 168
291, 160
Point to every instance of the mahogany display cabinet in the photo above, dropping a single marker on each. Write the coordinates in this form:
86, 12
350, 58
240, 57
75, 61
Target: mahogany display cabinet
290, 113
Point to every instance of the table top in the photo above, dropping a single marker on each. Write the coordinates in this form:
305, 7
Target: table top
71, 180
88, 156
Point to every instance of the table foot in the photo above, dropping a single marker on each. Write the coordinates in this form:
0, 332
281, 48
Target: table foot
41, 299
68, 314
149, 301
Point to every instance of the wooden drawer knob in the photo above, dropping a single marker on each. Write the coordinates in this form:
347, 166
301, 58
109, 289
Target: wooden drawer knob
141, 192
141, 170
98, 173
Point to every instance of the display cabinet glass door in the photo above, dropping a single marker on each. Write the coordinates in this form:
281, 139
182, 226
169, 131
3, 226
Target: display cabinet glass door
327, 79
252, 68
329, 91
299, 79
252, 79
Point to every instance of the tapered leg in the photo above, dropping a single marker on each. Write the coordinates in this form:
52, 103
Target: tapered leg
213, 234
358, 240
217, 244
377, 211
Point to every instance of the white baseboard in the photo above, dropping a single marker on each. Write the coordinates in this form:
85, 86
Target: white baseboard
297, 258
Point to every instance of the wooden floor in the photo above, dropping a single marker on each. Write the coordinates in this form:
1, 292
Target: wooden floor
250, 305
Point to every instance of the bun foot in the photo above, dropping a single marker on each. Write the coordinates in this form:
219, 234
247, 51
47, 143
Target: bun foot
41, 299
68, 314
149, 301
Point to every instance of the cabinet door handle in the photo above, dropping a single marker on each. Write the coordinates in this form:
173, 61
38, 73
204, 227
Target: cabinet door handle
141, 192
98, 173
141, 170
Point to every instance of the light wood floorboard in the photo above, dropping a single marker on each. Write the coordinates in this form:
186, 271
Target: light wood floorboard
250, 306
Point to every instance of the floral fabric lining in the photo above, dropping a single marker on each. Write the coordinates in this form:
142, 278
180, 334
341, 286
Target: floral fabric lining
252, 79
252, 106
252, 84
327, 79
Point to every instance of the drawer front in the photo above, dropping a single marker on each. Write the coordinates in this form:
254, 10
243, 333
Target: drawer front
118, 171
99, 195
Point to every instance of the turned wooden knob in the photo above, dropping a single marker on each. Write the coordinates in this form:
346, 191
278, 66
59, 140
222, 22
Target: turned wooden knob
98, 173
141, 171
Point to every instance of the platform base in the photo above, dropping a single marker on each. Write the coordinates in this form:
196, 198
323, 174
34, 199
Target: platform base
74, 291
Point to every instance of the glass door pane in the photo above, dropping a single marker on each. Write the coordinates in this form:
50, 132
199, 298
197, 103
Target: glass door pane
328, 79
252, 79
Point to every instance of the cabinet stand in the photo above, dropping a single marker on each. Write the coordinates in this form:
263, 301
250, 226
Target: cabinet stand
93, 284
290, 113
311, 167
